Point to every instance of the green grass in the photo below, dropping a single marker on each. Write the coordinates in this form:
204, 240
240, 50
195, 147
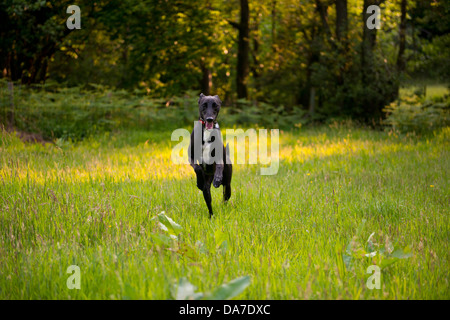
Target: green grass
432, 90
91, 204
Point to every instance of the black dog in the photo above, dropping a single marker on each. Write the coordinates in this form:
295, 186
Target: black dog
218, 172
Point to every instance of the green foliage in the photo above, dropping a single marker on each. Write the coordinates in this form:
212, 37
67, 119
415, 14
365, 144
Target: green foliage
186, 291
79, 112
264, 114
168, 224
434, 60
31, 33
419, 115
354, 98
430, 38
381, 254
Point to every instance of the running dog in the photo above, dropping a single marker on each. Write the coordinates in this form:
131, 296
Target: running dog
216, 172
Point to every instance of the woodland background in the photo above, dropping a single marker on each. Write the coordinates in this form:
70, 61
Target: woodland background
304, 60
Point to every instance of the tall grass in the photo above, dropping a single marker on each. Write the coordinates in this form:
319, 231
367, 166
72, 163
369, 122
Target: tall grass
297, 234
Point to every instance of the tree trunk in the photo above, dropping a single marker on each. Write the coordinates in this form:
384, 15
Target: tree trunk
312, 101
313, 56
341, 20
341, 35
322, 9
254, 50
402, 40
206, 79
368, 42
274, 19
42, 75
243, 50
373, 107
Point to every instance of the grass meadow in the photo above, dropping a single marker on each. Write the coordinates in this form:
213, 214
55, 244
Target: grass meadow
344, 198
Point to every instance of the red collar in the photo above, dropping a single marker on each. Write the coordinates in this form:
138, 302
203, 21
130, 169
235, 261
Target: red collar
203, 122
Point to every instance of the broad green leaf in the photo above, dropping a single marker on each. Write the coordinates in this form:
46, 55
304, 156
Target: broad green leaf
161, 239
387, 262
186, 291
163, 227
402, 254
224, 246
230, 290
171, 226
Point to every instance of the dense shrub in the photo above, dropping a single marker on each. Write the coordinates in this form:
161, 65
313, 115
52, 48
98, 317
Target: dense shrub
419, 115
79, 112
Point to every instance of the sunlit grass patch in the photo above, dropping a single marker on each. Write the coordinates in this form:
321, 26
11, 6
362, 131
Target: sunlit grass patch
431, 90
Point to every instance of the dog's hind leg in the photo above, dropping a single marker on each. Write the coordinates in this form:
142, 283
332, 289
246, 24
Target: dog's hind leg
207, 193
227, 174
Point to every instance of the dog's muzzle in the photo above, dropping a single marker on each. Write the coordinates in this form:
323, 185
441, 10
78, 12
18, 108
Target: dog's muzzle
209, 123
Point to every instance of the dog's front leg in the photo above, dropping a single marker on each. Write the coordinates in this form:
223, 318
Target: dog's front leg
198, 170
207, 193
218, 176
200, 176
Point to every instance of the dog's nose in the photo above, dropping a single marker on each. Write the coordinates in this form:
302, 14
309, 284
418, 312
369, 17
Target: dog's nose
210, 119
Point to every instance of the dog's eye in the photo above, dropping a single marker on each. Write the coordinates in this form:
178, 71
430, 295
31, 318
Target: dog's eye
204, 106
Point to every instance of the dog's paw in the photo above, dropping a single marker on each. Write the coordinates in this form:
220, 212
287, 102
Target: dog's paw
217, 181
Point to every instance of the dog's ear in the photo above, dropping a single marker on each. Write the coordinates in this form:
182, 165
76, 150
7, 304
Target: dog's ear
218, 99
200, 98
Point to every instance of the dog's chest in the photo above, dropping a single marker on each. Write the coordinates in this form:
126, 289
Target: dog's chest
208, 150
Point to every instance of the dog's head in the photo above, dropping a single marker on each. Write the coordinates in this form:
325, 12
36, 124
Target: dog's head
209, 107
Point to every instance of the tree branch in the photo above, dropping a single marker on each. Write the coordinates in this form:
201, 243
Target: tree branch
234, 24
